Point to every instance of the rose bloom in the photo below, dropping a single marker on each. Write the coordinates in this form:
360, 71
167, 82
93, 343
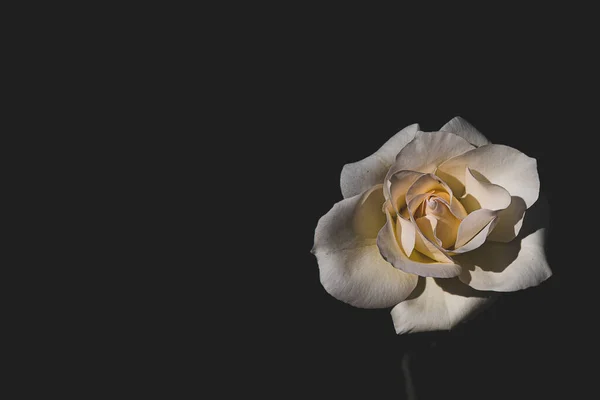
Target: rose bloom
429, 225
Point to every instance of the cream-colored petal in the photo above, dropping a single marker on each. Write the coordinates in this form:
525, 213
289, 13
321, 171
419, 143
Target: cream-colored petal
361, 175
477, 240
428, 150
438, 304
472, 225
430, 249
457, 208
399, 184
446, 231
421, 189
510, 221
481, 194
506, 267
423, 244
453, 203
447, 225
416, 264
443, 195
406, 232
350, 265
426, 183
500, 165
416, 204
368, 217
431, 184
462, 128
428, 225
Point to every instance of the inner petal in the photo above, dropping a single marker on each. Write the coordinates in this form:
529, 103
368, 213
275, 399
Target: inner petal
428, 244
427, 225
472, 225
418, 196
418, 204
447, 224
429, 183
397, 185
433, 206
453, 203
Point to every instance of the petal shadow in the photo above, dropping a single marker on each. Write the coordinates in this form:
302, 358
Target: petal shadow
504, 254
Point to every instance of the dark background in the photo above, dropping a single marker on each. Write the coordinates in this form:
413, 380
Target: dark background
332, 108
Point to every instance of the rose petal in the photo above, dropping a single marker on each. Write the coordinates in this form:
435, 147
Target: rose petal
506, 267
428, 150
444, 195
430, 249
407, 233
422, 188
447, 225
416, 264
472, 225
477, 240
453, 203
462, 128
483, 194
510, 221
437, 304
399, 183
500, 165
428, 225
368, 218
424, 184
422, 243
351, 267
361, 175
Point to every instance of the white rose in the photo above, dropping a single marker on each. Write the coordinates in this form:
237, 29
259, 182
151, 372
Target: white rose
427, 226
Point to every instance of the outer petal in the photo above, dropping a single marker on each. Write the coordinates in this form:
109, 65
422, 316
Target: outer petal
500, 165
437, 304
462, 128
506, 267
510, 221
359, 176
428, 150
480, 194
368, 218
351, 267
416, 264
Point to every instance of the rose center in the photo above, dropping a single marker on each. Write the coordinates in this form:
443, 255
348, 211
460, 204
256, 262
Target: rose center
433, 207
